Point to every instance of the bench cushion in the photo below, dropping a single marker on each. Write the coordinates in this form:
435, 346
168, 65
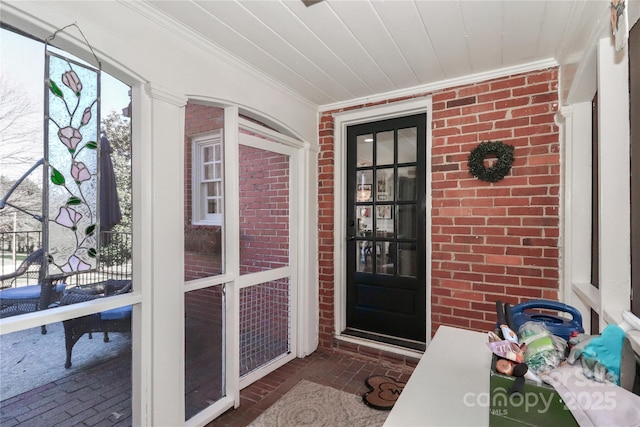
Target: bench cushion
26, 292
116, 313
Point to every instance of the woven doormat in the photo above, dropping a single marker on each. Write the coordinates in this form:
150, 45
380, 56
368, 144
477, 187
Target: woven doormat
314, 405
383, 392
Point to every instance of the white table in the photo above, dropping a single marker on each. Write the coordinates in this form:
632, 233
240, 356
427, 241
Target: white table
450, 385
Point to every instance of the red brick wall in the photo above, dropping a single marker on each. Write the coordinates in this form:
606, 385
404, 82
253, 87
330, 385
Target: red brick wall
202, 257
264, 209
489, 240
264, 218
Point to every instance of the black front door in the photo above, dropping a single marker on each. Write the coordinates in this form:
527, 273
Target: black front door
386, 268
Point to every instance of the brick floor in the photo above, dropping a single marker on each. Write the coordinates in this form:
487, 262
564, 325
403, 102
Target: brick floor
82, 398
341, 370
86, 399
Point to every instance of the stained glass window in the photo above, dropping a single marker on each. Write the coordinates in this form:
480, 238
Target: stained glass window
72, 120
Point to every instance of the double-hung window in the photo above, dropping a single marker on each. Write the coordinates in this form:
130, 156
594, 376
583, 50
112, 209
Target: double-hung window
208, 179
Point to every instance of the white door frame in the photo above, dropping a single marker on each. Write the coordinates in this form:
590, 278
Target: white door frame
342, 121
281, 144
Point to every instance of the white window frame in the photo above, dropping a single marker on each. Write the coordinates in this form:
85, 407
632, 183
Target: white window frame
613, 295
199, 215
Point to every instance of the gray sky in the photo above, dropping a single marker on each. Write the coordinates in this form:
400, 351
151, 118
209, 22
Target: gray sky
22, 66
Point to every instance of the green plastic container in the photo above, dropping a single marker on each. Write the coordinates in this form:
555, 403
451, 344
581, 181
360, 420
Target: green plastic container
539, 405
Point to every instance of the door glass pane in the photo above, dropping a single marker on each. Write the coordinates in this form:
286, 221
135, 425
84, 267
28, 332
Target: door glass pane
384, 147
364, 186
204, 347
407, 146
365, 256
384, 221
264, 210
364, 220
385, 258
384, 185
407, 184
407, 221
365, 150
407, 259
265, 324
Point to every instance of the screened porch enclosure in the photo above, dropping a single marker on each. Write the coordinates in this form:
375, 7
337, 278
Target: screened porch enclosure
259, 316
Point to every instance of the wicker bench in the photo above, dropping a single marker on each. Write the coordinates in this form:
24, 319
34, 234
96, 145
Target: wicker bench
115, 320
17, 297
25, 299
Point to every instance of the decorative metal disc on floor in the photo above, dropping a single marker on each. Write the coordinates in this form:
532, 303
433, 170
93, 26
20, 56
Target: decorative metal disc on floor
383, 392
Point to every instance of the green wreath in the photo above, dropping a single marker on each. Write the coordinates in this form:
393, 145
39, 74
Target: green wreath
504, 154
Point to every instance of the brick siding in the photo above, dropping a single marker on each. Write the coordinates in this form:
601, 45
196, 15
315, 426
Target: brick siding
489, 240
202, 243
264, 197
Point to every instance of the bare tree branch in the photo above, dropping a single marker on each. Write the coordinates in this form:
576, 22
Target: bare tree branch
20, 125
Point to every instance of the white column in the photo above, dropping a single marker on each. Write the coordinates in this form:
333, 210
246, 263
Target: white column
308, 268
575, 287
158, 153
614, 187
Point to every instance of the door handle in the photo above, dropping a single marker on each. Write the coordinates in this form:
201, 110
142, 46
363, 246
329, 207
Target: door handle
351, 238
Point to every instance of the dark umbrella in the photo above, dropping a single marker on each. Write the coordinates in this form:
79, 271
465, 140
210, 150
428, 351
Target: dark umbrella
110, 213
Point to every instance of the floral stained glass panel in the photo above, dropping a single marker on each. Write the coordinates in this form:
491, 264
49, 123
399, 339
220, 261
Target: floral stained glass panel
71, 128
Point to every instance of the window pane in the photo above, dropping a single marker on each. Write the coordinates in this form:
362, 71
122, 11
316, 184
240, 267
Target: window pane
207, 154
364, 186
384, 147
407, 184
35, 387
364, 218
208, 172
407, 146
204, 348
407, 259
365, 150
384, 258
213, 189
365, 256
72, 155
384, 185
264, 209
407, 221
384, 221
212, 206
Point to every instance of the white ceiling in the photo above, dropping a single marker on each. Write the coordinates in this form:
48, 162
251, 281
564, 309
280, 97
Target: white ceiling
340, 50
